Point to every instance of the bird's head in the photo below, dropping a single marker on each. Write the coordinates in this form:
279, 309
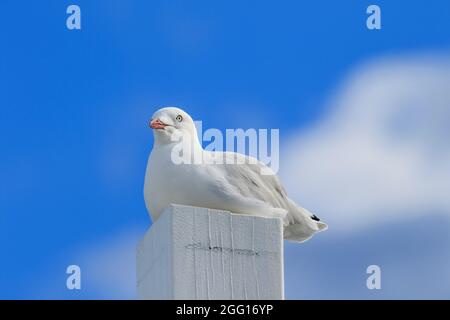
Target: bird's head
170, 124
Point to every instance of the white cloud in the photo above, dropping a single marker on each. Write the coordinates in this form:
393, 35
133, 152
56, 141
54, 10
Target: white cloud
108, 266
382, 152
107, 269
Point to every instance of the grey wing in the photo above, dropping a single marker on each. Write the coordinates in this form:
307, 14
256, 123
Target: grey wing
247, 180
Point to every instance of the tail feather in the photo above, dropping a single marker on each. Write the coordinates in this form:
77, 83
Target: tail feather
300, 224
322, 226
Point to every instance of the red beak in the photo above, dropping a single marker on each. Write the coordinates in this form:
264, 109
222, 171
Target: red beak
157, 124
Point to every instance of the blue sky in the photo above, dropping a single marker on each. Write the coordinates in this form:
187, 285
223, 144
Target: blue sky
75, 105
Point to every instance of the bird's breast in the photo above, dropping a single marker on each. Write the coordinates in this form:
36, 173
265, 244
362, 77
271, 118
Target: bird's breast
167, 182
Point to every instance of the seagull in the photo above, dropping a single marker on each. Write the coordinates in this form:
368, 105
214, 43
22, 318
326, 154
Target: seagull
235, 184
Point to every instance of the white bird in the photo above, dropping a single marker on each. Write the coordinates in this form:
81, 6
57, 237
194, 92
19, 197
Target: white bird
238, 188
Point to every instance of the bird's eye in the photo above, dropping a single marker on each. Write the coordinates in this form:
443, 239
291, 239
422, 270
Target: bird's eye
179, 118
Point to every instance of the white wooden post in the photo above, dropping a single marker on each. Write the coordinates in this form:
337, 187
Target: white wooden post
200, 253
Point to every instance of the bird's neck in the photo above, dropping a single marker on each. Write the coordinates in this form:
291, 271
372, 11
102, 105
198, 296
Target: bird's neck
187, 151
